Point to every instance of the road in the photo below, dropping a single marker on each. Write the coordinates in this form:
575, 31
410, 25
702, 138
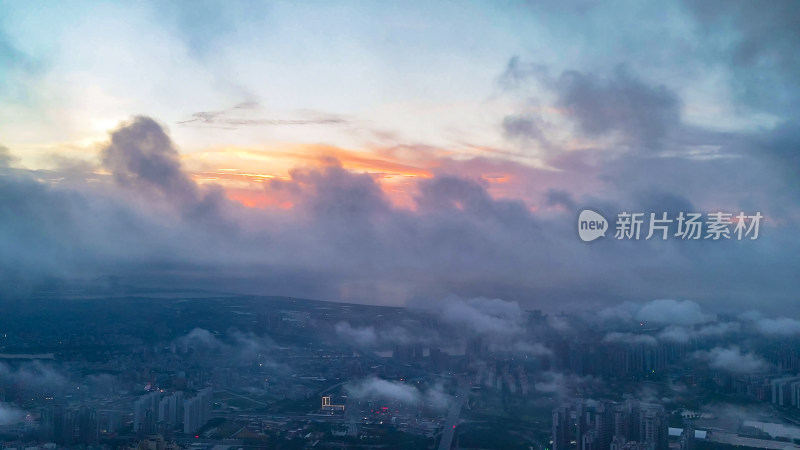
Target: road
451, 422
352, 416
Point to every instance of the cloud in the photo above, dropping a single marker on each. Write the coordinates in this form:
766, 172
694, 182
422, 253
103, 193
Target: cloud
374, 388
783, 326
630, 338
564, 385
141, 155
5, 157
386, 335
360, 337
19, 71
624, 312
378, 388
535, 349
238, 116
477, 316
241, 348
524, 128
732, 359
517, 73
436, 397
142, 158
755, 43
334, 193
773, 327
660, 79
680, 312
342, 238
10, 414
719, 329
675, 334
662, 311
558, 197
780, 145
35, 375
643, 114
199, 338
685, 334
559, 324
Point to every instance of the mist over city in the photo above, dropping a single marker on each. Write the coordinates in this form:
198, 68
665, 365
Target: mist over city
476, 225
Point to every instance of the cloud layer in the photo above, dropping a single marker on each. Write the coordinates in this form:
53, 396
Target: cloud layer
695, 113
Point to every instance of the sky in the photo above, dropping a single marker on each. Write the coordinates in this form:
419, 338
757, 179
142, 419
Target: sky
386, 152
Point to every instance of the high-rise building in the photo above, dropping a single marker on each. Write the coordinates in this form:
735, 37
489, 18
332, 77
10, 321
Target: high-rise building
88, 430
67, 426
197, 411
687, 437
783, 391
170, 409
561, 428
605, 425
145, 414
654, 427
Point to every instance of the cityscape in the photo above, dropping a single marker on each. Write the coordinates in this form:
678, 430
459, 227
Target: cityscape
117, 367
434, 225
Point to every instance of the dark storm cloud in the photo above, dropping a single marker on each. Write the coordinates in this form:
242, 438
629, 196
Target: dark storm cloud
141, 155
644, 114
142, 158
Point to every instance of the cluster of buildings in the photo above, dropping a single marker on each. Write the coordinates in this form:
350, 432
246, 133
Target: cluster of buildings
156, 413
591, 425
69, 426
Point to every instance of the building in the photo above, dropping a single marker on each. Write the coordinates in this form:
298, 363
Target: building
88, 429
197, 411
145, 414
687, 438
327, 404
786, 391
590, 425
170, 410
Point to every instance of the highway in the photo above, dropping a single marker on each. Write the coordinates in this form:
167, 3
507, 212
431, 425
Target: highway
451, 422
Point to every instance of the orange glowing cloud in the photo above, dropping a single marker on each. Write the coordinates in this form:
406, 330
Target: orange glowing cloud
252, 198
243, 172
